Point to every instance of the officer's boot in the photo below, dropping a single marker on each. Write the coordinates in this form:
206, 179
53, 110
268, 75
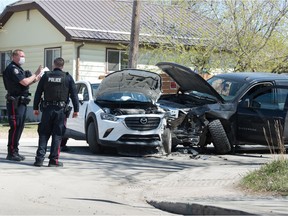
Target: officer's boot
19, 155
55, 163
38, 162
13, 156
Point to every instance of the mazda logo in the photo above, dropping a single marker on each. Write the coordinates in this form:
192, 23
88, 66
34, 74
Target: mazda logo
143, 120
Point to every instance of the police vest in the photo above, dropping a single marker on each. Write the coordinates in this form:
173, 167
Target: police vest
14, 88
56, 88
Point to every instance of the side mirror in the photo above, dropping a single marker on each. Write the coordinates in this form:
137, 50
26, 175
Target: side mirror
80, 97
246, 103
255, 104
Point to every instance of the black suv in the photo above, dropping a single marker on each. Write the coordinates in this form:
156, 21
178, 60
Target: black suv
226, 110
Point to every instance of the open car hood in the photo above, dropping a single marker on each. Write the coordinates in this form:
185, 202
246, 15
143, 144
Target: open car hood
132, 80
188, 80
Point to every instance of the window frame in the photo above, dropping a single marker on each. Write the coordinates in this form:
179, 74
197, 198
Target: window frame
278, 96
120, 60
53, 49
6, 62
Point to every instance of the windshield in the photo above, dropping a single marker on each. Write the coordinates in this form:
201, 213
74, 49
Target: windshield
124, 96
226, 88
94, 88
202, 95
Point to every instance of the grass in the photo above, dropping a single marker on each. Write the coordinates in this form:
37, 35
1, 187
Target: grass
271, 177
30, 130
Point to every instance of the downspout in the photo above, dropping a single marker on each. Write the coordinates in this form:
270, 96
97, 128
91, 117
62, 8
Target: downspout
78, 61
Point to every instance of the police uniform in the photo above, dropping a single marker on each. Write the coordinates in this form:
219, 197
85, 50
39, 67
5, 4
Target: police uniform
17, 99
57, 86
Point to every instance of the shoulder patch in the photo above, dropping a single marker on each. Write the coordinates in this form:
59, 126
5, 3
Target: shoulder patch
16, 71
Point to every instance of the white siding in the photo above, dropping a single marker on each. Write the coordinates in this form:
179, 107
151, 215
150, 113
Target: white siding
35, 34
93, 57
20, 31
31, 35
92, 62
68, 54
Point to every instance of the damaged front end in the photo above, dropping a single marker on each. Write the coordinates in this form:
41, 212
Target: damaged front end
198, 112
189, 126
128, 114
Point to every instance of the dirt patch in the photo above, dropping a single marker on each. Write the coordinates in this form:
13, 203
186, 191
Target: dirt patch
30, 131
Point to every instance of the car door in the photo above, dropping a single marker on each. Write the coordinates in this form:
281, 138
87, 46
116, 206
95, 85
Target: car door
78, 124
262, 116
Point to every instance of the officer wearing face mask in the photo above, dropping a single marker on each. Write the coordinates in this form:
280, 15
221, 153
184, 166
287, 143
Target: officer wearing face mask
17, 82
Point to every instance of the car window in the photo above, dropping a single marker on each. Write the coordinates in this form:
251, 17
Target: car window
82, 90
94, 88
124, 96
271, 98
265, 100
226, 88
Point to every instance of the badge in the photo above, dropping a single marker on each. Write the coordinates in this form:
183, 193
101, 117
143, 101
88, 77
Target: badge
16, 71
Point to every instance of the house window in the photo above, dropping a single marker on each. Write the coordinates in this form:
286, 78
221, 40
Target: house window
5, 59
50, 55
116, 60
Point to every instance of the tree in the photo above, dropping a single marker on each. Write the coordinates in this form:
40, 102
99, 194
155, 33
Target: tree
251, 36
251, 32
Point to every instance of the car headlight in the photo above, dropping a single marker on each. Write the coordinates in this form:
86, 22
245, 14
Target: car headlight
109, 117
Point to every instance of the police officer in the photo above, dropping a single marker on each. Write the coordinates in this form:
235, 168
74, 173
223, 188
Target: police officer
57, 86
16, 82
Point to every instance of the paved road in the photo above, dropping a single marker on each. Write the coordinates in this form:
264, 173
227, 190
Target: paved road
86, 185
111, 184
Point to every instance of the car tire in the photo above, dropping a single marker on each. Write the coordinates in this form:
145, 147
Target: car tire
167, 141
219, 137
94, 147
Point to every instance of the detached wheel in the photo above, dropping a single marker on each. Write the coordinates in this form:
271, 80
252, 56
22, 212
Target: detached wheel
94, 147
167, 141
219, 138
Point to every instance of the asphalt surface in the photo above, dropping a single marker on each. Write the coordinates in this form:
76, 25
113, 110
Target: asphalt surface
207, 188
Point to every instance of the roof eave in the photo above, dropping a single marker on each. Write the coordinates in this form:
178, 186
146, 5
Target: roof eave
79, 39
9, 10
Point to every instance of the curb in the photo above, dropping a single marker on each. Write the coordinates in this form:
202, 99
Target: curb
194, 209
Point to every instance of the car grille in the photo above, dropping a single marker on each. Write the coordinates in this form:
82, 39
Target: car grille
139, 138
142, 123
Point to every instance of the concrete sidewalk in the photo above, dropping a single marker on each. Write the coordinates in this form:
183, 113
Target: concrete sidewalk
213, 190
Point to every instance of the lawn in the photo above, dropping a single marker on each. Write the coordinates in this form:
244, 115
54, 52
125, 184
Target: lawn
271, 177
30, 131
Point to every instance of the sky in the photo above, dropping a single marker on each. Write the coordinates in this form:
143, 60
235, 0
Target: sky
4, 3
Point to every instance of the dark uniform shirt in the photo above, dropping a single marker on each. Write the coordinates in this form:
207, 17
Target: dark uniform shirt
70, 84
12, 76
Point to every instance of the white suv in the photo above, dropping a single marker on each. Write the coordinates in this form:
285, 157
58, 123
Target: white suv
120, 111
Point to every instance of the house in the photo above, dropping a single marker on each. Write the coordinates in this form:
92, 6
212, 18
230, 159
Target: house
92, 36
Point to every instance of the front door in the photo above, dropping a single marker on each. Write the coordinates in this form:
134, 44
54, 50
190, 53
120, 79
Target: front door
262, 116
77, 125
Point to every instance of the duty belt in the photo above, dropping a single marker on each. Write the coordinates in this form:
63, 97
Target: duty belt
18, 99
55, 103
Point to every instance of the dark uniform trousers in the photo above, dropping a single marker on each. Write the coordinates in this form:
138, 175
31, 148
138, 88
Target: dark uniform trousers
52, 123
16, 117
